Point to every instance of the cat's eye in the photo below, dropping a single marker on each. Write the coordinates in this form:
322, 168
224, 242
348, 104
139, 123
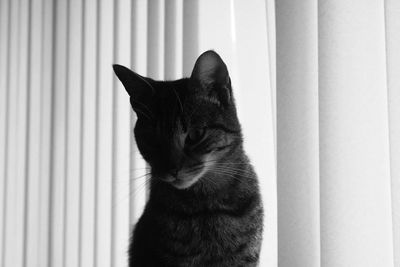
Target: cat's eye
195, 136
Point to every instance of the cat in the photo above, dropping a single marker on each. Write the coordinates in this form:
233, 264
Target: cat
204, 207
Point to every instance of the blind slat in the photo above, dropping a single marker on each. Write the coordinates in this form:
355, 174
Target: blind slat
354, 181
34, 122
122, 137
105, 135
74, 102
297, 100
87, 215
173, 39
155, 39
58, 183
16, 157
46, 128
4, 91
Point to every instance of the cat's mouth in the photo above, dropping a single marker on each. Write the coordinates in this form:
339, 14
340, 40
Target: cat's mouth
183, 183
185, 180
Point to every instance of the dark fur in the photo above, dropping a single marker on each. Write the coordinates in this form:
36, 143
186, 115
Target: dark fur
217, 221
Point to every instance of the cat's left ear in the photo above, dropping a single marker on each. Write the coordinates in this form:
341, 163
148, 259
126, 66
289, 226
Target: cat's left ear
211, 73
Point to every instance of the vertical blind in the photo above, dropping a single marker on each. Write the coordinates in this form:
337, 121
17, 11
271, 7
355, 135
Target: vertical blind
338, 99
72, 183
71, 179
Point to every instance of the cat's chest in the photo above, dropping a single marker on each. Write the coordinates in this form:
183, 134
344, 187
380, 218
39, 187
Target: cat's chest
204, 225
219, 230
213, 223
200, 237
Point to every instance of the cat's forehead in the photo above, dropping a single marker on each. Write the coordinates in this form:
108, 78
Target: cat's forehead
182, 92
181, 104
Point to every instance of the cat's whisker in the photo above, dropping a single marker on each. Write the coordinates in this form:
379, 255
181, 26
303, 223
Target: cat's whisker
141, 186
235, 169
140, 169
140, 177
229, 171
237, 174
130, 171
194, 169
209, 179
238, 167
223, 176
217, 161
227, 166
232, 163
133, 171
129, 180
131, 193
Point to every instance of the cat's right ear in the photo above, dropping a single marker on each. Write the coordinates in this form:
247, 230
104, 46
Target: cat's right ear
211, 75
137, 86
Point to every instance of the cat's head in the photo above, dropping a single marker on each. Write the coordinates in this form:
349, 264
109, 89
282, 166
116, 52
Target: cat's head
184, 127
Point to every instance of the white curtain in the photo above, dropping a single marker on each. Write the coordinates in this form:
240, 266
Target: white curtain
338, 131
70, 186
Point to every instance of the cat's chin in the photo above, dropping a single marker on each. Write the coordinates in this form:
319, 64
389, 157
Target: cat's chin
184, 183
181, 182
